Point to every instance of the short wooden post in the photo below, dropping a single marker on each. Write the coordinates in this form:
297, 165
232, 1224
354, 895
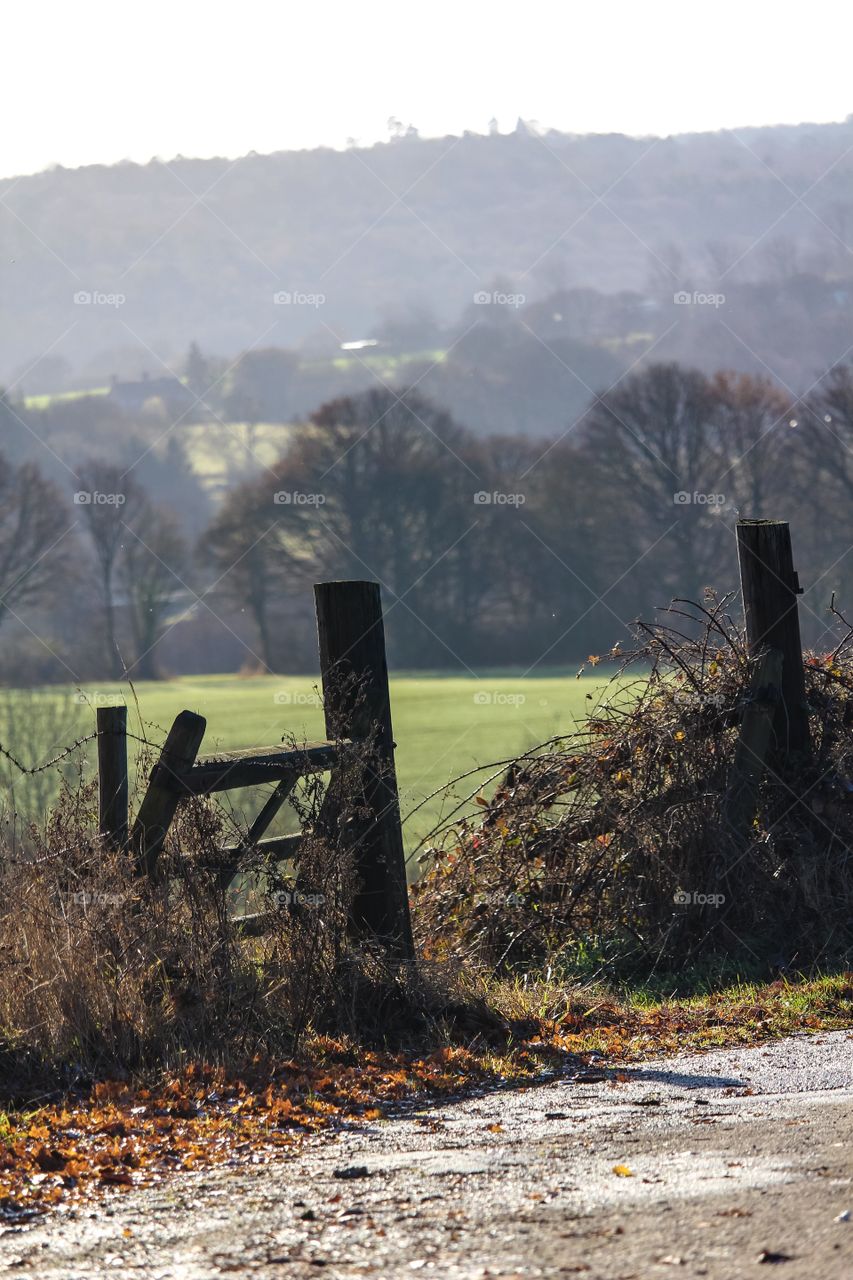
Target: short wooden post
112, 775
161, 801
354, 671
770, 588
753, 747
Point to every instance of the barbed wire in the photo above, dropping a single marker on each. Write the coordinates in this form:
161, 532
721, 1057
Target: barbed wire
32, 770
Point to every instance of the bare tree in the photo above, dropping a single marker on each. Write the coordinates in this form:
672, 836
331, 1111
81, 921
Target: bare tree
752, 416
243, 546
383, 486
377, 485
151, 572
825, 435
109, 499
34, 546
657, 437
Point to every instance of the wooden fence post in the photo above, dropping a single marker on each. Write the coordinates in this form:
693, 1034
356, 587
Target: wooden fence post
112, 775
770, 587
161, 801
354, 671
753, 747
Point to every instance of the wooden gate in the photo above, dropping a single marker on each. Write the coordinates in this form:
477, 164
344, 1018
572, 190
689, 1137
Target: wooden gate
359, 737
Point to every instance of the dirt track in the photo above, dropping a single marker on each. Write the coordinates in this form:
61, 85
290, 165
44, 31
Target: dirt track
725, 1183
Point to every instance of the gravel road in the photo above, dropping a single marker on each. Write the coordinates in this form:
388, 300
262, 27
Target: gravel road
724, 1164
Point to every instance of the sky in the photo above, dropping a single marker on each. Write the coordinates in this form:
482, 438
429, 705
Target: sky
98, 82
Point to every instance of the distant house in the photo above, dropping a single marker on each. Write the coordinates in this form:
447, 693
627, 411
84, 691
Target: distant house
133, 395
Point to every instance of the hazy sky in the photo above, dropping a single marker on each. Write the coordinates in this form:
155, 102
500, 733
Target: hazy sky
103, 80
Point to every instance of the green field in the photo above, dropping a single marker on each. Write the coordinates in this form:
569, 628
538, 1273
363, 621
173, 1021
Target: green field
443, 725
220, 452
57, 397
382, 363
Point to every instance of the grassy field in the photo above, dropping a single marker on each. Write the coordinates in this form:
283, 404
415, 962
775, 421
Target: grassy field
57, 397
444, 725
219, 452
383, 363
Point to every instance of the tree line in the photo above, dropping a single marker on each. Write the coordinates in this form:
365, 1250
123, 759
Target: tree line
506, 549
490, 550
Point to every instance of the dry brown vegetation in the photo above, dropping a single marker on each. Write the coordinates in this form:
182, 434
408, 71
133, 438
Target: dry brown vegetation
103, 971
613, 841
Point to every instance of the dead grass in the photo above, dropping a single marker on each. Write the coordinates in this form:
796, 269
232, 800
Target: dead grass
106, 974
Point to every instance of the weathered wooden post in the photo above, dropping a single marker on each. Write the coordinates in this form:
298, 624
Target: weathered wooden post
112, 775
161, 800
354, 671
770, 587
753, 748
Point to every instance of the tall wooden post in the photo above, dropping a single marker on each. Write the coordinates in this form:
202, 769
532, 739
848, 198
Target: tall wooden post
357, 702
770, 588
160, 802
112, 775
753, 747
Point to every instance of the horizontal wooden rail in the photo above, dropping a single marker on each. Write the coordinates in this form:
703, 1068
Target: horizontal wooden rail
274, 848
259, 922
251, 768
279, 847
255, 925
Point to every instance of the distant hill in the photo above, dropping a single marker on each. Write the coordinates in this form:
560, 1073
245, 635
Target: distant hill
162, 253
